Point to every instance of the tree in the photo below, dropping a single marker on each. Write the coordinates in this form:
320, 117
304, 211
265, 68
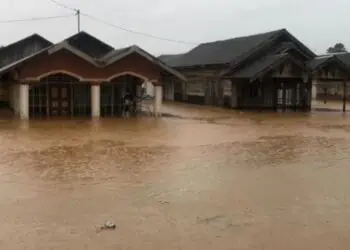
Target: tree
337, 48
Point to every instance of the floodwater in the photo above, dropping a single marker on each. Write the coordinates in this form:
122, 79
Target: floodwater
218, 180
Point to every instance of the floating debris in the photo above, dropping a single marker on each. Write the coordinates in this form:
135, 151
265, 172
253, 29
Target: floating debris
108, 226
210, 219
164, 202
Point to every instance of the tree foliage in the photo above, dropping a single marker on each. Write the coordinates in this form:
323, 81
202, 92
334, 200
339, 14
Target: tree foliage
337, 48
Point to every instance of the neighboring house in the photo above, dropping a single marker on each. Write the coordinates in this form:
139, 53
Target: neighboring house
15, 52
80, 76
331, 90
269, 70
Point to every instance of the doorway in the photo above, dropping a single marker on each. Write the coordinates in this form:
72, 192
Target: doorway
59, 96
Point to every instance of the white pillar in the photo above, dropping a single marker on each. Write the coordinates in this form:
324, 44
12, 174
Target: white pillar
139, 95
95, 100
149, 88
158, 100
24, 101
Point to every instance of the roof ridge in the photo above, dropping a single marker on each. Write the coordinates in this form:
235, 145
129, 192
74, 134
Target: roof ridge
245, 36
93, 37
25, 38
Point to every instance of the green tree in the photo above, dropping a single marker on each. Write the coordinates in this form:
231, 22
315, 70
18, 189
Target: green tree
337, 48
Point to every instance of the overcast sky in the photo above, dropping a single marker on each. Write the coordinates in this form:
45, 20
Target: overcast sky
317, 23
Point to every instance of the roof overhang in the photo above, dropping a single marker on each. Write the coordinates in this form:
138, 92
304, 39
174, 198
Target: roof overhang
15, 64
111, 59
149, 57
269, 67
329, 60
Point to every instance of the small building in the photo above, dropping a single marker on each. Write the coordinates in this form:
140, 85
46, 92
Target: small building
80, 76
263, 71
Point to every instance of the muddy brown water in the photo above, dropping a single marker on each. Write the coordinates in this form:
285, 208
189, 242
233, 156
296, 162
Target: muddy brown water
226, 181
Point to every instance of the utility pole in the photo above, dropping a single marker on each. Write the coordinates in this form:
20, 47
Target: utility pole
78, 16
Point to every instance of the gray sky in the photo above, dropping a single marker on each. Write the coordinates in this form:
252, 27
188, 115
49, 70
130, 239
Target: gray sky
317, 23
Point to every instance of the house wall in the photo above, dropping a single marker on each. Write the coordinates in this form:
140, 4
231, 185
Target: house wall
168, 89
14, 97
334, 90
270, 95
4, 94
248, 95
65, 60
203, 86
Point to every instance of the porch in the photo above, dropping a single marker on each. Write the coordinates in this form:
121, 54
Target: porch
64, 95
272, 93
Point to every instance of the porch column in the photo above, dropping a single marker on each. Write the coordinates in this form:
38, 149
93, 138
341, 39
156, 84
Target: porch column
95, 100
24, 101
139, 95
344, 95
158, 99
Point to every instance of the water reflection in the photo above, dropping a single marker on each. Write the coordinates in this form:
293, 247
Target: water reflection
229, 180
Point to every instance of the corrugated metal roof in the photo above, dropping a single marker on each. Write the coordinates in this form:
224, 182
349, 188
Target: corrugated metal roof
89, 44
219, 52
228, 51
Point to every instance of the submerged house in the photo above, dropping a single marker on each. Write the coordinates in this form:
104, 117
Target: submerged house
271, 70
331, 90
80, 76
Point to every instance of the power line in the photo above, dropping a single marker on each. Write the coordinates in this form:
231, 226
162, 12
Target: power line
35, 19
63, 5
136, 32
78, 13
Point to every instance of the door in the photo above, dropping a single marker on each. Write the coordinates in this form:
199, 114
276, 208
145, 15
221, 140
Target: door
59, 100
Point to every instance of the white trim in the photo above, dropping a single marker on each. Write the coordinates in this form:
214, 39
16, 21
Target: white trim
65, 45
141, 52
54, 72
127, 73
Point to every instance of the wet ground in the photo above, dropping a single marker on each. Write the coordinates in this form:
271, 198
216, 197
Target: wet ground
213, 179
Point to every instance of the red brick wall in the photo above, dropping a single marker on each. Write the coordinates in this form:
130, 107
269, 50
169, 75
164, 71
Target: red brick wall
65, 60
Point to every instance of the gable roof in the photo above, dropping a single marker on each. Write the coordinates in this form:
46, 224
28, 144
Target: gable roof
265, 65
315, 63
228, 51
256, 67
121, 53
343, 60
107, 54
89, 44
22, 48
66, 46
220, 52
169, 59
